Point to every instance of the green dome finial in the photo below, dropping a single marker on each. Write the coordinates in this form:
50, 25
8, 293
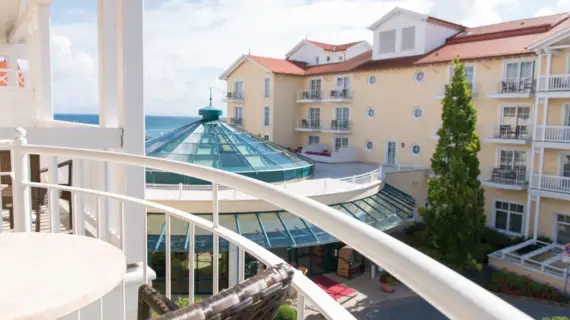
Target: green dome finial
210, 113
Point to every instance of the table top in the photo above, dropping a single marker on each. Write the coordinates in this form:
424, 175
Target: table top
47, 276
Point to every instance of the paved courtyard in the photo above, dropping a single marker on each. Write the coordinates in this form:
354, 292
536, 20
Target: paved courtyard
371, 303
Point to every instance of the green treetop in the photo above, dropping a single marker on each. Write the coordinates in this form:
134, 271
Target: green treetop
455, 217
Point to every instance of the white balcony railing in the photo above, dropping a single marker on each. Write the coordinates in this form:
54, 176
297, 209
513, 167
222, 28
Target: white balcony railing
310, 95
555, 82
12, 78
451, 293
513, 87
552, 133
309, 124
551, 183
235, 96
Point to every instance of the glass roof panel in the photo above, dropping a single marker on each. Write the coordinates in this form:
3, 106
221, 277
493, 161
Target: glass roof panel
249, 227
299, 231
207, 149
228, 221
260, 162
208, 161
278, 236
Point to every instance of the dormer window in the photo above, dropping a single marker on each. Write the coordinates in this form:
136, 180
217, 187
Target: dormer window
387, 40
328, 59
317, 60
340, 58
408, 38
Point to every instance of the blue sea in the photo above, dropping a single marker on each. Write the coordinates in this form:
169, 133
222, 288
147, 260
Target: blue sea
155, 125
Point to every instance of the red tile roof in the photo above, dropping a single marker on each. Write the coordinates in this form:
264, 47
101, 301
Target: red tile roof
279, 65
334, 47
498, 40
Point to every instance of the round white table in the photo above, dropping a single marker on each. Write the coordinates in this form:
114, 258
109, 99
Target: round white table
47, 276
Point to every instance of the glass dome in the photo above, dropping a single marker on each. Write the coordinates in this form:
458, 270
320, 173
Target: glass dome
213, 143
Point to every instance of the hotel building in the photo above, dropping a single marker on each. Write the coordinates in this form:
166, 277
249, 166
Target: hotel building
381, 103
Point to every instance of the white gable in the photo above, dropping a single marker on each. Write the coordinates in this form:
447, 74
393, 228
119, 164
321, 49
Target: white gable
312, 54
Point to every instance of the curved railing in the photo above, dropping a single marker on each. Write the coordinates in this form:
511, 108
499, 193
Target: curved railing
449, 292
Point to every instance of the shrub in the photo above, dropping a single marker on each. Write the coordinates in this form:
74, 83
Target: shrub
496, 239
556, 318
514, 284
286, 312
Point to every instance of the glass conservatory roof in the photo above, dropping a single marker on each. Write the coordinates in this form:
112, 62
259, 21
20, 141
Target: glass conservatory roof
281, 229
214, 143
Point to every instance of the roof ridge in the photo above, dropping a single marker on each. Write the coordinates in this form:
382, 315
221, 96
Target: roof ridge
523, 19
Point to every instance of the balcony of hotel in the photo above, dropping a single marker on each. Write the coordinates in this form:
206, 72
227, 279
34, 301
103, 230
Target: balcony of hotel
513, 89
237, 96
332, 95
309, 125
473, 88
510, 134
554, 86
338, 126
551, 183
236, 122
553, 136
507, 179
327, 154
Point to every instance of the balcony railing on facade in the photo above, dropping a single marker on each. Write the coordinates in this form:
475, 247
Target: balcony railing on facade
551, 133
554, 83
339, 126
332, 95
309, 125
344, 94
235, 96
451, 293
236, 122
551, 183
515, 134
310, 95
513, 89
13, 78
508, 178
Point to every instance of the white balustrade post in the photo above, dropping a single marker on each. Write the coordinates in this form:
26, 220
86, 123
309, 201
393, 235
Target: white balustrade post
300, 306
216, 245
191, 257
540, 165
354, 181
21, 192
54, 194
528, 214
544, 117
325, 185
180, 191
536, 215
233, 265
42, 73
79, 205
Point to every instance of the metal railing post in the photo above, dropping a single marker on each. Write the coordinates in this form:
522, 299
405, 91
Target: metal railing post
216, 245
20, 191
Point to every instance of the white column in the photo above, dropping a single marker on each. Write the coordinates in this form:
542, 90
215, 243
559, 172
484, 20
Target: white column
536, 215
42, 65
528, 214
540, 167
131, 117
539, 82
13, 74
548, 63
21, 193
233, 265
544, 117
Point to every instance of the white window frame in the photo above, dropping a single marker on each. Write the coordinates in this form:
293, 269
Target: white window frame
516, 105
412, 150
519, 61
527, 156
402, 49
561, 157
268, 137
267, 87
380, 41
509, 212
566, 114
309, 119
268, 122
375, 79
341, 107
343, 82
368, 115
366, 145
416, 76
240, 107
414, 113
317, 60
309, 139
450, 71
554, 226
341, 137
321, 79
386, 143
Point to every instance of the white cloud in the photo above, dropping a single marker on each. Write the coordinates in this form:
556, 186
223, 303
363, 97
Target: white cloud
482, 12
189, 44
546, 11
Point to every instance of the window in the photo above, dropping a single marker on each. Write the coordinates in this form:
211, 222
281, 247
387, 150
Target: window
266, 137
566, 166
408, 38
512, 160
328, 59
341, 118
418, 113
369, 146
387, 40
343, 82
340, 58
416, 150
516, 119
340, 142
317, 60
509, 217
267, 87
562, 229
390, 156
313, 140
518, 76
370, 113
238, 89
314, 117
469, 75
372, 80
266, 116
238, 112
566, 120
315, 88
419, 77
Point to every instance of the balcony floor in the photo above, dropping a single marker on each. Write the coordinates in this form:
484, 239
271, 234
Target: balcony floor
44, 219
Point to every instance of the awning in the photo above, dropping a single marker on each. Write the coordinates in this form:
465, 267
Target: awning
280, 229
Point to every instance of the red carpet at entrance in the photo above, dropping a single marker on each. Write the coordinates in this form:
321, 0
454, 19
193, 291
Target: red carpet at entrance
333, 288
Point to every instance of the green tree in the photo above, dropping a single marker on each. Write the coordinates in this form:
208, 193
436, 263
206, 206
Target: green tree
455, 217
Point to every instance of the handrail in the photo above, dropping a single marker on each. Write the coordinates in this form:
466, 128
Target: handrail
446, 290
300, 281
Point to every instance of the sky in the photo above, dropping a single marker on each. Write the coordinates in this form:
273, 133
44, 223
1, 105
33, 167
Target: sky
189, 43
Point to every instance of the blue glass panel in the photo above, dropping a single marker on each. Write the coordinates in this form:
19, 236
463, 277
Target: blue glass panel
276, 233
234, 162
321, 234
250, 228
301, 234
209, 161
207, 149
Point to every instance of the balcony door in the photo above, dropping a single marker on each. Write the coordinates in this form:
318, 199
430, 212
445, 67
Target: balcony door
517, 74
238, 112
314, 115
562, 229
340, 142
469, 75
341, 116
238, 89
343, 83
566, 115
390, 152
315, 88
516, 119
514, 160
